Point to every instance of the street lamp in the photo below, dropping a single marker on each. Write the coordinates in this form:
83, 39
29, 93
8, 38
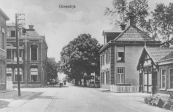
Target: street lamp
17, 50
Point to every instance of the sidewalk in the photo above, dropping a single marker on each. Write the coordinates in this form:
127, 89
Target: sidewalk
10, 98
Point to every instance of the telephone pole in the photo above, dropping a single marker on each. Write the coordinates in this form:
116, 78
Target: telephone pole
17, 50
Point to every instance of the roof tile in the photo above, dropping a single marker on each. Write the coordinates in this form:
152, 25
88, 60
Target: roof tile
132, 33
157, 53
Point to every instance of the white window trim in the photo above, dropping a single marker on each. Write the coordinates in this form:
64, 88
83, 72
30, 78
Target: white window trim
121, 74
36, 75
161, 79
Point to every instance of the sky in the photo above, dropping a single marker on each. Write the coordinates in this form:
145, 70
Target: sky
60, 25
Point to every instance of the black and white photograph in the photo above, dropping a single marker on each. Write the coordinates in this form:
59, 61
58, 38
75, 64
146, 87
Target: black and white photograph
86, 55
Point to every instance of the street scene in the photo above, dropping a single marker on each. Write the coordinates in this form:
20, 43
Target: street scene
72, 98
86, 56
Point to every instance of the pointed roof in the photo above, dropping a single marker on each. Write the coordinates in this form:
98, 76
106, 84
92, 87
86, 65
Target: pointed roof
4, 15
168, 57
32, 33
156, 54
132, 33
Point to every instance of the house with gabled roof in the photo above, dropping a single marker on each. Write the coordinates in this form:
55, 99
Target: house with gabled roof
155, 67
120, 54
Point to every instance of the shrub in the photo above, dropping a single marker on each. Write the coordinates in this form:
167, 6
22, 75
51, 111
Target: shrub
154, 100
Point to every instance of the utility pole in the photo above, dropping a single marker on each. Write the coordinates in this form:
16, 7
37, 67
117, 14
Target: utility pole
17, 50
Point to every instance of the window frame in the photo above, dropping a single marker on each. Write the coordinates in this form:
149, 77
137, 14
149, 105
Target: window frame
33, 75
161, 84
170, 78
15, 74
31, 52
14, 33
119, 81
123, 58
2, 38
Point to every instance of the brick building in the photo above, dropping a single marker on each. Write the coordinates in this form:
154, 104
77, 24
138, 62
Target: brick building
32, 57
3, 34
120, 54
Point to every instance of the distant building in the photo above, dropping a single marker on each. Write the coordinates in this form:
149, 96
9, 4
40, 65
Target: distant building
120, 54
3, 34
32, 57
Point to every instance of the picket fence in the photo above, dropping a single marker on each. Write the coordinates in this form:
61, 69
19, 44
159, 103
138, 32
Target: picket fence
124, 89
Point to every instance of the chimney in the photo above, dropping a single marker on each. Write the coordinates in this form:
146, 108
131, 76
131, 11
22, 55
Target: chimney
123, 26
31, 26
132, 19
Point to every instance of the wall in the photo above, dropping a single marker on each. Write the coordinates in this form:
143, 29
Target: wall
132, 54
165, 67
2, 55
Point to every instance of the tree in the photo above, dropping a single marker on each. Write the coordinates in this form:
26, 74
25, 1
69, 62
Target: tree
81, 56
119, 13
162, 18
51, 68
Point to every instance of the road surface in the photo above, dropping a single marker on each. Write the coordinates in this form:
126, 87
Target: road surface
81, 99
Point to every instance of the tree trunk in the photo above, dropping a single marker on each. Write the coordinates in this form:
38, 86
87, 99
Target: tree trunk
76, 82
85, 82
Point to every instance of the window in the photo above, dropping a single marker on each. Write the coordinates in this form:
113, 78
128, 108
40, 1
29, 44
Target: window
2, 40
107, 77
8, 53
21, 53
34, 52
103, 78
120, 54
13, 34
120, 76
34, 73
107, 57
103, 59
171, 78
8, 71
163, 79
16, 74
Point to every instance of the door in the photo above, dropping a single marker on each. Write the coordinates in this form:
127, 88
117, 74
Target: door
154, 82
141, 82
9, 82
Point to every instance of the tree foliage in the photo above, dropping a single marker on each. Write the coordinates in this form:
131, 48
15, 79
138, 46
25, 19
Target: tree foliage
160, 24
51, 68
162, 18
80, 56
119, 13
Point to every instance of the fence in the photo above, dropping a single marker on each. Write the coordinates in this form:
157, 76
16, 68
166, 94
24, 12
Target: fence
124, 89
